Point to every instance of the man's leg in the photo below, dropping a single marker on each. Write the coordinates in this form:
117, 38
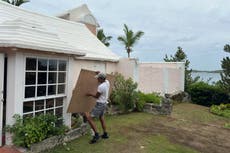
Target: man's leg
105, 134
102, 120
93, 126
91, 123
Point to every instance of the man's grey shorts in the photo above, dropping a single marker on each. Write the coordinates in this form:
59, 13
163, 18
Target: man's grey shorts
98, 110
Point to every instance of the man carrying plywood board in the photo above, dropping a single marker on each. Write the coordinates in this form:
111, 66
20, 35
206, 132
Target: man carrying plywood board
89, 94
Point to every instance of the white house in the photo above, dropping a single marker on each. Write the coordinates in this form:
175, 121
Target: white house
41, 58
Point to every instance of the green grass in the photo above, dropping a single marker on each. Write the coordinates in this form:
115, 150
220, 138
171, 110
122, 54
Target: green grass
124, 139
160, 144
195, 113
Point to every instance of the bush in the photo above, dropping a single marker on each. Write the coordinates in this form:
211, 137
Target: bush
35, 129
124, 93
221, 110
204, 94
147, 98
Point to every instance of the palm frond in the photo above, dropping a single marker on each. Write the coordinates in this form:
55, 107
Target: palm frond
104, 39
16, 2
129, 38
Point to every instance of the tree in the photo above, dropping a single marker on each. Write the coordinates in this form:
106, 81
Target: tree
180, 56
16, 2
104, 39
130, 38
225, 75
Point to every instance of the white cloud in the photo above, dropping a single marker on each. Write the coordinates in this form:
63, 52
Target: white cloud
200, 27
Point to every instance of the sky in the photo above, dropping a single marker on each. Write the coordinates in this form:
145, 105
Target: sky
200, 27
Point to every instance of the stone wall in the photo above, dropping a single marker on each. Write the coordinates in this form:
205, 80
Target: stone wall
164, 109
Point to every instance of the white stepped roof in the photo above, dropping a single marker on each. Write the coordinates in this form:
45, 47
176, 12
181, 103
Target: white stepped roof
24, 29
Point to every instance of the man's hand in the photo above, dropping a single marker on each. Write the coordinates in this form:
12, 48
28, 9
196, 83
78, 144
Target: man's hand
88, 94
93, 95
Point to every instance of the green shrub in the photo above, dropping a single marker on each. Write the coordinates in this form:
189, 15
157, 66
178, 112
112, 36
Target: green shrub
204, 94
29, 130
140, 105
150, 97
124, 93
221, 110
147, 98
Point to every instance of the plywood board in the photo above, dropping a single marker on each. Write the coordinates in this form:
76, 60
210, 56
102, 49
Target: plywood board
86, 83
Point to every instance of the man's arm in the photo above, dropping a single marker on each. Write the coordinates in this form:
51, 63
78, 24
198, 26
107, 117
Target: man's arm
97, 95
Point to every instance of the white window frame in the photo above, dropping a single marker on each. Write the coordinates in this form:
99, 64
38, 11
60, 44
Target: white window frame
47, 97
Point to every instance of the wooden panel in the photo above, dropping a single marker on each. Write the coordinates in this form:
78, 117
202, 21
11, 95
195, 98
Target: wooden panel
86, 83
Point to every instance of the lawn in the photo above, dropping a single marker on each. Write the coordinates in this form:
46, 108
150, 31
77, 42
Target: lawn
189, 129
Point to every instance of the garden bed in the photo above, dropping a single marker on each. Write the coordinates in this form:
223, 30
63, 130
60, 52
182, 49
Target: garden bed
51, 142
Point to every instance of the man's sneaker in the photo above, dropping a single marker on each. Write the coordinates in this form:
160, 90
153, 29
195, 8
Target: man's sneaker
105, 136
95, 139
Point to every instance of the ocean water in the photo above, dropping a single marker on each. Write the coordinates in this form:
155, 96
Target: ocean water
205, 76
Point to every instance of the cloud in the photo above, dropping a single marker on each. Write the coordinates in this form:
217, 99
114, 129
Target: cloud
201, 28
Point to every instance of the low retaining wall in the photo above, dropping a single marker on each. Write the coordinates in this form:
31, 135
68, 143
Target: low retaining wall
164, 109
57, 140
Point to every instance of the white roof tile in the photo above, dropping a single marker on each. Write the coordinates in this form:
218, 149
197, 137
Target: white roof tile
24, 29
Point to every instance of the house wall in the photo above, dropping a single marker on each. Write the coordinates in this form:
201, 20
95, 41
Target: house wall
161, 77
15, 86
111, 67
128, 68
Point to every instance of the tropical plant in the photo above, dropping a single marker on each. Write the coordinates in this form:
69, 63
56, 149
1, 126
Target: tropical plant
16, 2
225, 75
130, 38
104, 39
29, 130
124, 93
180, 56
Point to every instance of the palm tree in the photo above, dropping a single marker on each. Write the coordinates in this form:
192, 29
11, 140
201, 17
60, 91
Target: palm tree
130, 38
16, 2
104, 39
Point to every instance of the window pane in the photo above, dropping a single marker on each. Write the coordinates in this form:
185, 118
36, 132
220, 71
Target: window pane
49, 103
62, 66
52, 65
39, 105
28, 115
59, 112
52, 77
28, 106
61, 77
42, 78
59, 102
39, 113
50, 111
31, 64
52, 90
29, 92
41, 91
30, 78
61, 89
42, 65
